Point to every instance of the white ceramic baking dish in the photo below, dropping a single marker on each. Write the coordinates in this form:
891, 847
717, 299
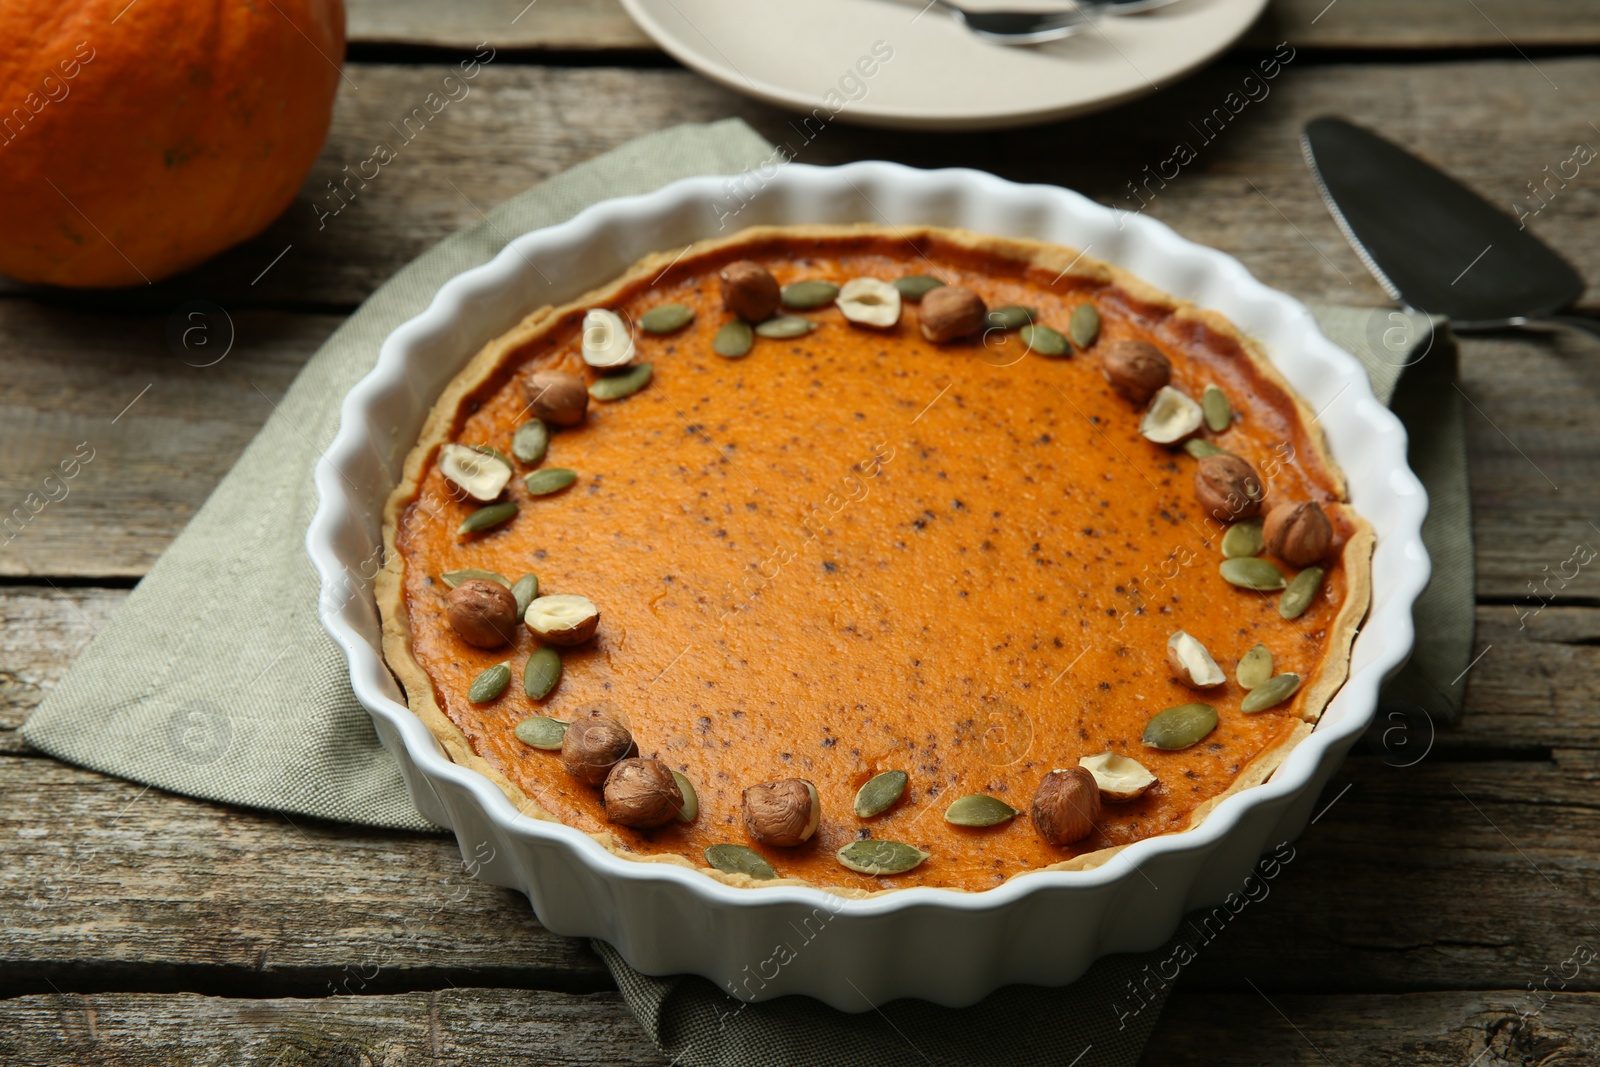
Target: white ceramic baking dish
940, 945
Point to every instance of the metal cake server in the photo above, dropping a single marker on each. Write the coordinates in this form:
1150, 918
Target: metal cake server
1434, 244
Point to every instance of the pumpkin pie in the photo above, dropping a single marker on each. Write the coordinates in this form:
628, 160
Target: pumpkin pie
869, 558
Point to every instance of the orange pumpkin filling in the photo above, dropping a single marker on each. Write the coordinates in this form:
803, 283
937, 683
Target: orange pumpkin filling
856, 551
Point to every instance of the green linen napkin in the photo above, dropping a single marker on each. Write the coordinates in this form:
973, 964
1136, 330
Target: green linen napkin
247, 701
1411, 360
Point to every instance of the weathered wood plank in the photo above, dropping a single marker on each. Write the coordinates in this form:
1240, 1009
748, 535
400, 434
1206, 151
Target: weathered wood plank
108, 884
144, 427
42, 630
490, 1027
584, 25
1436, 876
1414, 1030
1496, 123
1533, 686
494, 1027
1425, 24
1442, 875
556, 25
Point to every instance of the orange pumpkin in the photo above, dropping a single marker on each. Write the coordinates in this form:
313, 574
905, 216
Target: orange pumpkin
138, 139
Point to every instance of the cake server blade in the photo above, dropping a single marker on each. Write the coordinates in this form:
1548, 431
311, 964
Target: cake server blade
1433, 243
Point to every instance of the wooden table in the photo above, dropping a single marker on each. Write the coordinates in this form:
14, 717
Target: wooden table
1438, 913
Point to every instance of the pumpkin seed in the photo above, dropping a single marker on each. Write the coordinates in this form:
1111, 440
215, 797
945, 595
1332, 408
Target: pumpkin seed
541, 731
487, 518
1300, 593
1010, 318
733, 341
617, 386
525, 589
880, 857
979, 809
786, 326
1270, 694
1255, 668
803, 296
691, 799
490, 450
1180, 727
531, 442
1219, 413
737, 859
1084, 325
880, 793
1247, 572
1200, 448
490, 684
553, 480
914, 287
455, 578
542, 673
666, 318
1044, 340
1243, 539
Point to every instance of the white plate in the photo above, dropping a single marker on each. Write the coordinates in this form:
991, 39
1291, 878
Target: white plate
804, 55
938, 944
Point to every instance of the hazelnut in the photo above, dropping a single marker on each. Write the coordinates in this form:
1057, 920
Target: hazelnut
1227, 487
562, 619
479, 475
606, 339
784, 813
869, 302
1299, 534
1172, 417
1120, 778
749, 291
642, 793
1191, 662
1136, 369
1066, 806
591, 747
949, 312
482, 612
556, 396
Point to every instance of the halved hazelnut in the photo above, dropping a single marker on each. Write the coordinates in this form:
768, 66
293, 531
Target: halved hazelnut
1171, 417
1136, 369
562, 618
642, 793
482, 613
1066, 806
749, 290
869, 302
606, 340
556, 396
1227, 487
1191, 662
950, 312
480, 475
1299, 534
783, 813
591, 747
1120, 778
